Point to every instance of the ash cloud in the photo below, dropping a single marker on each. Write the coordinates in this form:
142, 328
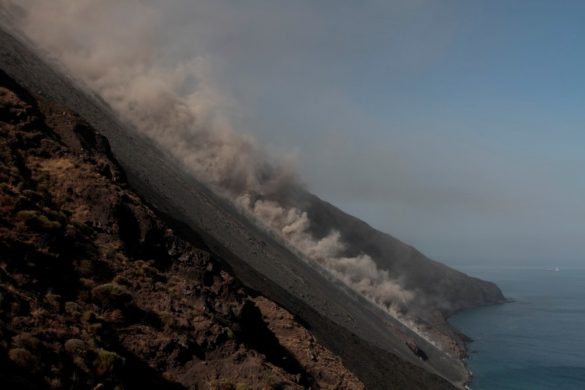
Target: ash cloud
359, 272
119, 50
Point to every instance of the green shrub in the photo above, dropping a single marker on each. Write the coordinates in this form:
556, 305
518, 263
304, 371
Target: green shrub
221, 384
268, 380
73, 309
35, 219
25, 215
75, 346
107, 362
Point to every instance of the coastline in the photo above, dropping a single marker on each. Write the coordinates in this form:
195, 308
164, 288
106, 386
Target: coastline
468, 341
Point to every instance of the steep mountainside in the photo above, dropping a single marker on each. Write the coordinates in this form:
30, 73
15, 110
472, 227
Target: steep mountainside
96, 289
441, 287
380, 350
440, 290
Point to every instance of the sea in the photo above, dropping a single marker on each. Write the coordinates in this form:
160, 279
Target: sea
535, 342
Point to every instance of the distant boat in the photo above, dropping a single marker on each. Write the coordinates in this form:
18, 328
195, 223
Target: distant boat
554, 269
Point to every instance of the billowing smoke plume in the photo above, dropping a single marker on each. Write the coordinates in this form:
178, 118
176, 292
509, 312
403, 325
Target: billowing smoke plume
360, 272
120, 51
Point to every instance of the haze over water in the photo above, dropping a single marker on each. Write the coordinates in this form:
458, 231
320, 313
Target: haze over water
535, 342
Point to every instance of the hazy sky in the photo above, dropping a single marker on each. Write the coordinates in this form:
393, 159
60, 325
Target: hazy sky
457, 126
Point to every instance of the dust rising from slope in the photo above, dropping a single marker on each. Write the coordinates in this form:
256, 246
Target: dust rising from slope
120, 51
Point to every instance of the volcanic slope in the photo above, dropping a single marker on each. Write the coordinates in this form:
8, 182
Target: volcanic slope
97, 291
334, 314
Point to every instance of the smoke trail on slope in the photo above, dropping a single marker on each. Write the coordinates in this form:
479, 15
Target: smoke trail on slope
118, 50
359, 272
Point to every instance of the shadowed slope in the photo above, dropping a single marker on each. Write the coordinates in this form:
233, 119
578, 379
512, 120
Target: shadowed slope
96, 291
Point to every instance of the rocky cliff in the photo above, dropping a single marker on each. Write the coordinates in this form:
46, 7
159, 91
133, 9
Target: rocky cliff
97, 291
377, 348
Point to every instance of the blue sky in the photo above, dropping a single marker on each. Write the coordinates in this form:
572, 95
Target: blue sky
456, 126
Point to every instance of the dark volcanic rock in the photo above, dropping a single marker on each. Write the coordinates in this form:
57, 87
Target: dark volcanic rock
97, 292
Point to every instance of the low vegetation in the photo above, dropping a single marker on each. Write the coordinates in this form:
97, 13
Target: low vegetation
97, 292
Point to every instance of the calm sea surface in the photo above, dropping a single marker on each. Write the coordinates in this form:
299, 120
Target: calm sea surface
536, 342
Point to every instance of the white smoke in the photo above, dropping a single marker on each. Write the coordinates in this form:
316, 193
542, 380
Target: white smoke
118, 49
359, 272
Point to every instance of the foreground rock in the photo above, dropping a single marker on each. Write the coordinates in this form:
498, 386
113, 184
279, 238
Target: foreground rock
96, 291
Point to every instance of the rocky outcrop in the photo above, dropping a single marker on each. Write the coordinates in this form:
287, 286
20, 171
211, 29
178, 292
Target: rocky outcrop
96, 291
